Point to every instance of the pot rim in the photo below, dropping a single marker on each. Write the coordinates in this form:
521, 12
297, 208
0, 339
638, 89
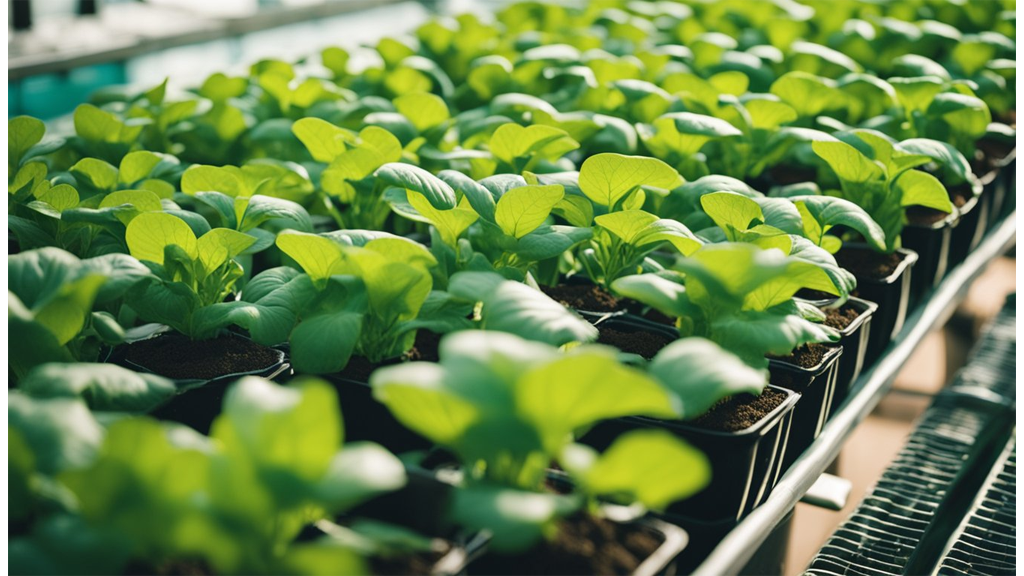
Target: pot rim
183, 384
835, 350
758, 428
865, 308
949, 221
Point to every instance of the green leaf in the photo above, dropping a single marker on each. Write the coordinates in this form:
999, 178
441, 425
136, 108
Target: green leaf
522, 210
639, 228
607, 178
702, 125
512, 307
650, 466
664, 295
319, 257
941, 152
847, 162
550, 241
359, 472
915, 94
809, 95
731, 212
416, 396
701, 373
200, 178
104, 387
753, 334
515, 519
480, 198
323, 343
423, 109
149, 233
588, 391
919, 188
220, 245
413, 178
829, 211
62, 432
97, 173
450, 223
324, 140
292, 431
137, 166
512, 141
23, 132
261, 208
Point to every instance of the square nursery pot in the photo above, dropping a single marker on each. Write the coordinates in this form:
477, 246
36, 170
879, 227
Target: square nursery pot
745, 465
932, 242
891, 294
973, 223
199, 400
854, 342
1001, 189
769, 558
662, 561
815, 386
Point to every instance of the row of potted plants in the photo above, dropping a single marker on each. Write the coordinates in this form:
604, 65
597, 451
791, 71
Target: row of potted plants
724, 199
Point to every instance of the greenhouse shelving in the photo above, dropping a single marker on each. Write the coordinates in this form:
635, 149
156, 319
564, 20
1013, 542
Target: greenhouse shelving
739, 546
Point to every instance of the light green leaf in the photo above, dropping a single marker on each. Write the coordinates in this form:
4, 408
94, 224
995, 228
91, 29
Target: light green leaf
731, 212
413, 178
521, 210
847, 162
919, 188
423, 109
649, 466
607, 178
220, 245
23, 132
319, 257
324, 140
701, 373
512, 141
99, 174
149, 233
588, 391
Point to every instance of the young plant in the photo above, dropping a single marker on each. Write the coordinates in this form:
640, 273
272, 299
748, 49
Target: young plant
678, 137
879, 177
624, 234
508, 407
513, 230
361, 292
352, 193
517, 149
190, 275
62, 309
234, 502
739, 296
939, 111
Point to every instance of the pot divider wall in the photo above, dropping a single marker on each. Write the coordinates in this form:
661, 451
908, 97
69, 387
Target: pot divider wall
854, 341
932, 244
815, 386
892, 294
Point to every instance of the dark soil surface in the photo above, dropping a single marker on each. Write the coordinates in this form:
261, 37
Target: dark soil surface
646, 344
584, 545
182, 567
865, 263
785, 175
840, 318
806, 356
176, 356
420, 563
922, 216
588, 297
741, 411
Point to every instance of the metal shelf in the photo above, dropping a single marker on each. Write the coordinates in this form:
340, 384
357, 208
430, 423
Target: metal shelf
737, 548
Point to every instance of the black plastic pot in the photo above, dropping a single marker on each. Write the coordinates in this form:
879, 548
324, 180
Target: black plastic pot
421, 505
971, 228
892, 294
932, 243
744, 465
661, 562
854, 341
198, 401
1001, 190
367, 419
815, 386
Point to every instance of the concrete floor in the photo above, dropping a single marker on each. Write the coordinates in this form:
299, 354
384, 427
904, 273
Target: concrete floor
877, 440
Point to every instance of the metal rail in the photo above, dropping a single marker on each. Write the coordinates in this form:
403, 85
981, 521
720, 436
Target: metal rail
737, 548
204, 30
